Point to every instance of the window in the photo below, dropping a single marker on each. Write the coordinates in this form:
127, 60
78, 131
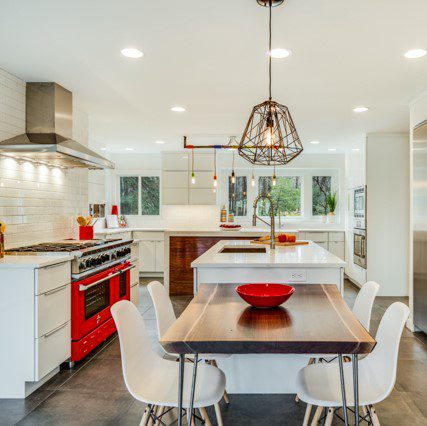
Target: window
150, 195
286, 195
321, 190
140, 195
237, 196
129, 195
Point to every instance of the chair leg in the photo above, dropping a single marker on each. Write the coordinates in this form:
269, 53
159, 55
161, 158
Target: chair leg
144, 419
317, 415
205, 416
159, 414
374, 416
218, 415
307, 415
296, 398
329, 417
226, 399
150, 419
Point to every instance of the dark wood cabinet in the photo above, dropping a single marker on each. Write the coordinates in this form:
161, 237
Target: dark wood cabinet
182, 251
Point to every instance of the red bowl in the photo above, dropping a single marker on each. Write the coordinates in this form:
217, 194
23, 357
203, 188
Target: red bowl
265, 295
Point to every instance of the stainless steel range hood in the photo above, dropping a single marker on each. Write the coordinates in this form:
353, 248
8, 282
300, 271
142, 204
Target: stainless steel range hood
49, 129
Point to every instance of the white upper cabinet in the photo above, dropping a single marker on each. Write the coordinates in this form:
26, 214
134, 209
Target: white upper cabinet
177, 188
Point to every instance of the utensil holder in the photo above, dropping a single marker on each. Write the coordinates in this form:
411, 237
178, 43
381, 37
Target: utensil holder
86, 232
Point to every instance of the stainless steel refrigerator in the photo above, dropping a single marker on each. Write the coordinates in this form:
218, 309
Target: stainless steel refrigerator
419, 216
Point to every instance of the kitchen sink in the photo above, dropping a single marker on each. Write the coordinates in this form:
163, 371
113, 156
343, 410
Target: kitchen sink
243, 249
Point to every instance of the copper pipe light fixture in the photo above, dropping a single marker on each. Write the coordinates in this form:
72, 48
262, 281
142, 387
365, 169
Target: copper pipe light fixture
270, 136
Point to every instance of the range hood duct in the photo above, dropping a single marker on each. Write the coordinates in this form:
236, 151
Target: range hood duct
49, 129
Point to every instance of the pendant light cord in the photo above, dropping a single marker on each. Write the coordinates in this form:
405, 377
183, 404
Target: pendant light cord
269, 49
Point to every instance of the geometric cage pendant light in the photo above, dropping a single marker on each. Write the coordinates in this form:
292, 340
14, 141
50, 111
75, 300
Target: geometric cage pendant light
270, 136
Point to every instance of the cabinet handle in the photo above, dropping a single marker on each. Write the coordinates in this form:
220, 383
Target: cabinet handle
55, 330
87, 287
48, 293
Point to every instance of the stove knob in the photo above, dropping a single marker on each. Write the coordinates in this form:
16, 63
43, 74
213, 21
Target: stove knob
127, 250
98, 260
114, 255
105, 258
82, 265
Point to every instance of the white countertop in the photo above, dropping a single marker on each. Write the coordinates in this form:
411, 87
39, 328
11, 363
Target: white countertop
306, 256
32, 261
213, 230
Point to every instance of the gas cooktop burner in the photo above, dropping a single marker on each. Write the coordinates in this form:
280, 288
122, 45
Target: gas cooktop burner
59, 247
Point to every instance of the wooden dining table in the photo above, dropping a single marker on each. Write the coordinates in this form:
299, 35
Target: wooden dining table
315, 320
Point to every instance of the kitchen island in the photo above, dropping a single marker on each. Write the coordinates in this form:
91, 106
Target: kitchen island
228, 262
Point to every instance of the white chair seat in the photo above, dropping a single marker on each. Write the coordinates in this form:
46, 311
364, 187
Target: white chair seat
163, 388
319, 384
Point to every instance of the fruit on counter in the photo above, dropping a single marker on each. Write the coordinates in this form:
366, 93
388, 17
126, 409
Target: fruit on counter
291, 238
282, 238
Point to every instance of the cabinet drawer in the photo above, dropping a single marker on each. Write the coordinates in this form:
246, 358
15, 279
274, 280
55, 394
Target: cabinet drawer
149, 235
52, 309
337, 248
51, 277
317, 237
52, 349
336, 236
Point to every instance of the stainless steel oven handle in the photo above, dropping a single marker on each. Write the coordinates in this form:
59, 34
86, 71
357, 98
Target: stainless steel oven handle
55, 330
127, 269
87, 287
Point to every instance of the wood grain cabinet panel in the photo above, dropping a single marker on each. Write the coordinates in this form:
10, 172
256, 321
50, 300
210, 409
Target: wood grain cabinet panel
182, 251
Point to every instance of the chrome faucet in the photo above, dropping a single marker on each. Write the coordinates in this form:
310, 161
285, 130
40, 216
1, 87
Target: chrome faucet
271, 224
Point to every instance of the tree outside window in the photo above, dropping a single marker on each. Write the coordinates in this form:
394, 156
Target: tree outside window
150, 195
322, 187
286, 195
237, 196
129, 195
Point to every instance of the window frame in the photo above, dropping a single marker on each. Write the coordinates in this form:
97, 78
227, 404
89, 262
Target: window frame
140, 175
306, 188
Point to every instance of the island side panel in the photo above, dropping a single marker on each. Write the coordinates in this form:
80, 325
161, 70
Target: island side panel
182, 251
280, 275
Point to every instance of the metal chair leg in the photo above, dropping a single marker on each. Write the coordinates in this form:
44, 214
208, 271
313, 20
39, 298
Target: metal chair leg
344, 401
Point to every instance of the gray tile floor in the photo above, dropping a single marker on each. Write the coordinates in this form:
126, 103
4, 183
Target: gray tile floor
93, 393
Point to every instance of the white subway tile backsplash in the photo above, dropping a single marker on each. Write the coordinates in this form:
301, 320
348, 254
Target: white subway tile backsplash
37, 203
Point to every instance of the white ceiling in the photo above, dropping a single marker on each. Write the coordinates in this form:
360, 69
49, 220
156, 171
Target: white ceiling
210, 56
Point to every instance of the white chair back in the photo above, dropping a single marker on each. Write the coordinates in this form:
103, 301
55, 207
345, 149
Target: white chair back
165, 314
382, 361
138, 357
362, 308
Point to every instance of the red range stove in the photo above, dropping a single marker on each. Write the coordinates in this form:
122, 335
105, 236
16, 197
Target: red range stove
100, 277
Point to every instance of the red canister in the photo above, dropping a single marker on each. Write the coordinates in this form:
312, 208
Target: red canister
86, 232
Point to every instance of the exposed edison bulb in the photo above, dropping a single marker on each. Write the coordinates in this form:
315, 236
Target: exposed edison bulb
253, 181
193, 178
269, 139
274, 180
215, 183
233, 177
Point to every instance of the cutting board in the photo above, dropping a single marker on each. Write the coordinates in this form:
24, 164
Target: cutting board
296, 243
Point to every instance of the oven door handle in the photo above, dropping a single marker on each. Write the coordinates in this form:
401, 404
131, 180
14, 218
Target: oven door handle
127, 269
87, 287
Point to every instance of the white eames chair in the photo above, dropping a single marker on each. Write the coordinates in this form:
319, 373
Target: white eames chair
319, 384
165, 317
362, 309
154, 380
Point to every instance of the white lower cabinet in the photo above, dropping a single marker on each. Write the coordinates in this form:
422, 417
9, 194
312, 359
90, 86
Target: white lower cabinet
337, 248
160, 256
147, 256
134, 294
52, 349
322, 244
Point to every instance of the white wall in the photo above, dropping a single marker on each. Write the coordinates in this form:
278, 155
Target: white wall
37, 203
387, 179
355, 176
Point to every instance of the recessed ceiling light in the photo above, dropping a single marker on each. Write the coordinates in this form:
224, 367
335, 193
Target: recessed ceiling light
103, 148
315, 142
415, 53
280, 53
160, 142
356, 149
129, 149
178, 109
332, 149
360, 109
131, 52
